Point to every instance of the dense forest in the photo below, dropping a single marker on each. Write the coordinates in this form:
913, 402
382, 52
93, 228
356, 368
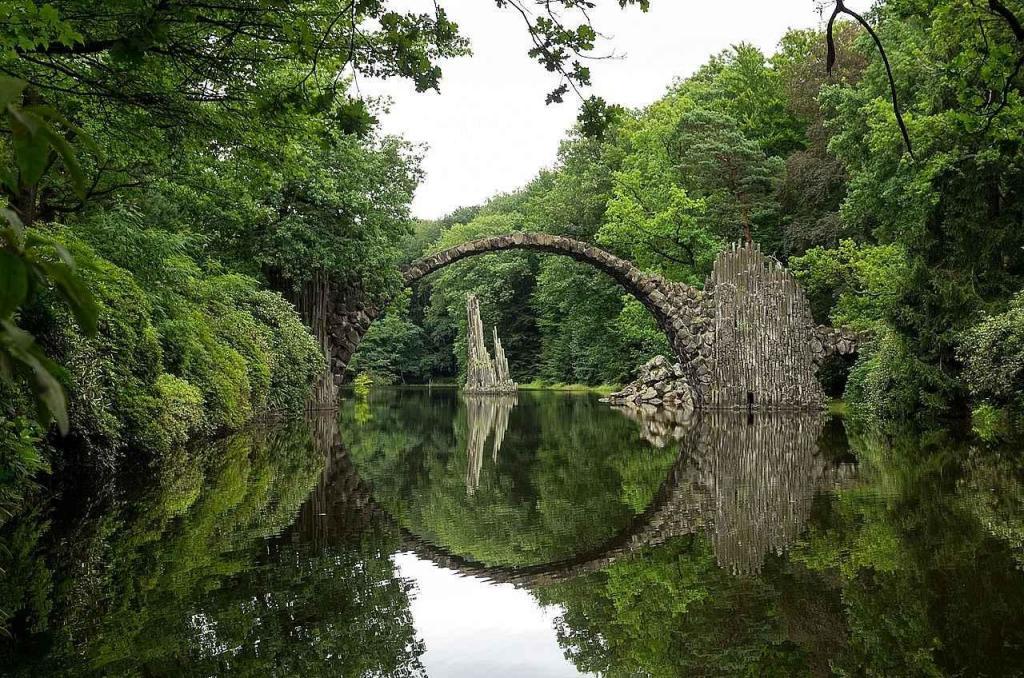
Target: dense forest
178, 176
922, 253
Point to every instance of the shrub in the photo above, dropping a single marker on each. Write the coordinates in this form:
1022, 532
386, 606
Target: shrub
362, 384
194, 353
294, 359
191, 354
109, 376
889, 384
989, 422
181, 413
993, 352
20, 460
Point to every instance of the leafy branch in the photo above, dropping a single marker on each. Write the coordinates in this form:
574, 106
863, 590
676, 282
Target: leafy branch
29, 261
841, 8
560, 46
1014, 24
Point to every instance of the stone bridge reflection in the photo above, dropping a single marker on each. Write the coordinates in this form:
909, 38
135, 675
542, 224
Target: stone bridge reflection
747, 482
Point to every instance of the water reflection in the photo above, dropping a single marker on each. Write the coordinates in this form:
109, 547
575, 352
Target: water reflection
746, 481
486, 416
659, 426
332, 548
750, 479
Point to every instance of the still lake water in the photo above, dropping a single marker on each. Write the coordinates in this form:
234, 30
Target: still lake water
427, 533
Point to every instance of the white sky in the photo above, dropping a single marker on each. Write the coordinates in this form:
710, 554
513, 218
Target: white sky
474, 629
489, 131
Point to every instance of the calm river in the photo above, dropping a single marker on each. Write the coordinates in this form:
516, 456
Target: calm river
426, 533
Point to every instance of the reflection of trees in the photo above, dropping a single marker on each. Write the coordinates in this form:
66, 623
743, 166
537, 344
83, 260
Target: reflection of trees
908, 571
993, 491
568, 476
913, 568
188, 579
747, 481
929, 588
485, 415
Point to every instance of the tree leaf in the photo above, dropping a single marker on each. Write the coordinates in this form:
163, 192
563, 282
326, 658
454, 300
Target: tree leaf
51, 113
31, 148
22, 347
13, 283
51, 394
15, 231
75, 293
67, 154
10, 90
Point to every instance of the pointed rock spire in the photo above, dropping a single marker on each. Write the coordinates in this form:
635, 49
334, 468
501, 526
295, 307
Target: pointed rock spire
484, 375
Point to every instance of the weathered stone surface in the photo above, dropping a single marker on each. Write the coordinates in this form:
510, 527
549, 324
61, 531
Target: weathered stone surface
483, 375
659, 383
762, 355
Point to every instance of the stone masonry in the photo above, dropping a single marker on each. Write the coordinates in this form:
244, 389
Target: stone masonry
747, 340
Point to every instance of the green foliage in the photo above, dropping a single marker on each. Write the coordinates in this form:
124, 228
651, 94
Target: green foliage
993, 351
888, 383
362, 384
190, 354
30, 261
853, 285
20, 461
503, 282
955, 210
989, 422
394, 350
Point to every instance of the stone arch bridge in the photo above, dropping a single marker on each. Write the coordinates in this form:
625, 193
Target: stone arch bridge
747, 339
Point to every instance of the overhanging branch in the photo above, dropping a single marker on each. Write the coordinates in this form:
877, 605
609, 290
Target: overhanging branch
841, 8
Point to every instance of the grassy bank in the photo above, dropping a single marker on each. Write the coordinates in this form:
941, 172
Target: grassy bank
603, 389
838, 407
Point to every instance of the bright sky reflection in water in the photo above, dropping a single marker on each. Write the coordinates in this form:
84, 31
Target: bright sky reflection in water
475, 628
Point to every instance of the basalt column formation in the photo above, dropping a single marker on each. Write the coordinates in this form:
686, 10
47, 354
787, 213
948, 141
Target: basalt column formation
483, 375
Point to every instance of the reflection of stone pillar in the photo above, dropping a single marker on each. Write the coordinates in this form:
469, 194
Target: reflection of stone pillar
484, 416
758, 477
482, 374
341, 504
745, 480
659, 426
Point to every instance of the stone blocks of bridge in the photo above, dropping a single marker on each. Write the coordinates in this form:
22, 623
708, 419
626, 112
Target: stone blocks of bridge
746, 341
348, 319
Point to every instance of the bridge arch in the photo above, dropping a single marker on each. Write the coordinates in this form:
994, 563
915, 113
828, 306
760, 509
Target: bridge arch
680, 310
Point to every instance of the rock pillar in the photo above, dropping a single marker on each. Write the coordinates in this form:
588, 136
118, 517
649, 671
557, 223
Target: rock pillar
484, 375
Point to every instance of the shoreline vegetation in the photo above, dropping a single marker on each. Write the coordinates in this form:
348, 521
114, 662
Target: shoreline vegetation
158, 247
535, 385
835, 406
601, 389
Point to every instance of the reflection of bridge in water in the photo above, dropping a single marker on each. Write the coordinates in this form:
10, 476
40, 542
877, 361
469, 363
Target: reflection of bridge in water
747, 482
